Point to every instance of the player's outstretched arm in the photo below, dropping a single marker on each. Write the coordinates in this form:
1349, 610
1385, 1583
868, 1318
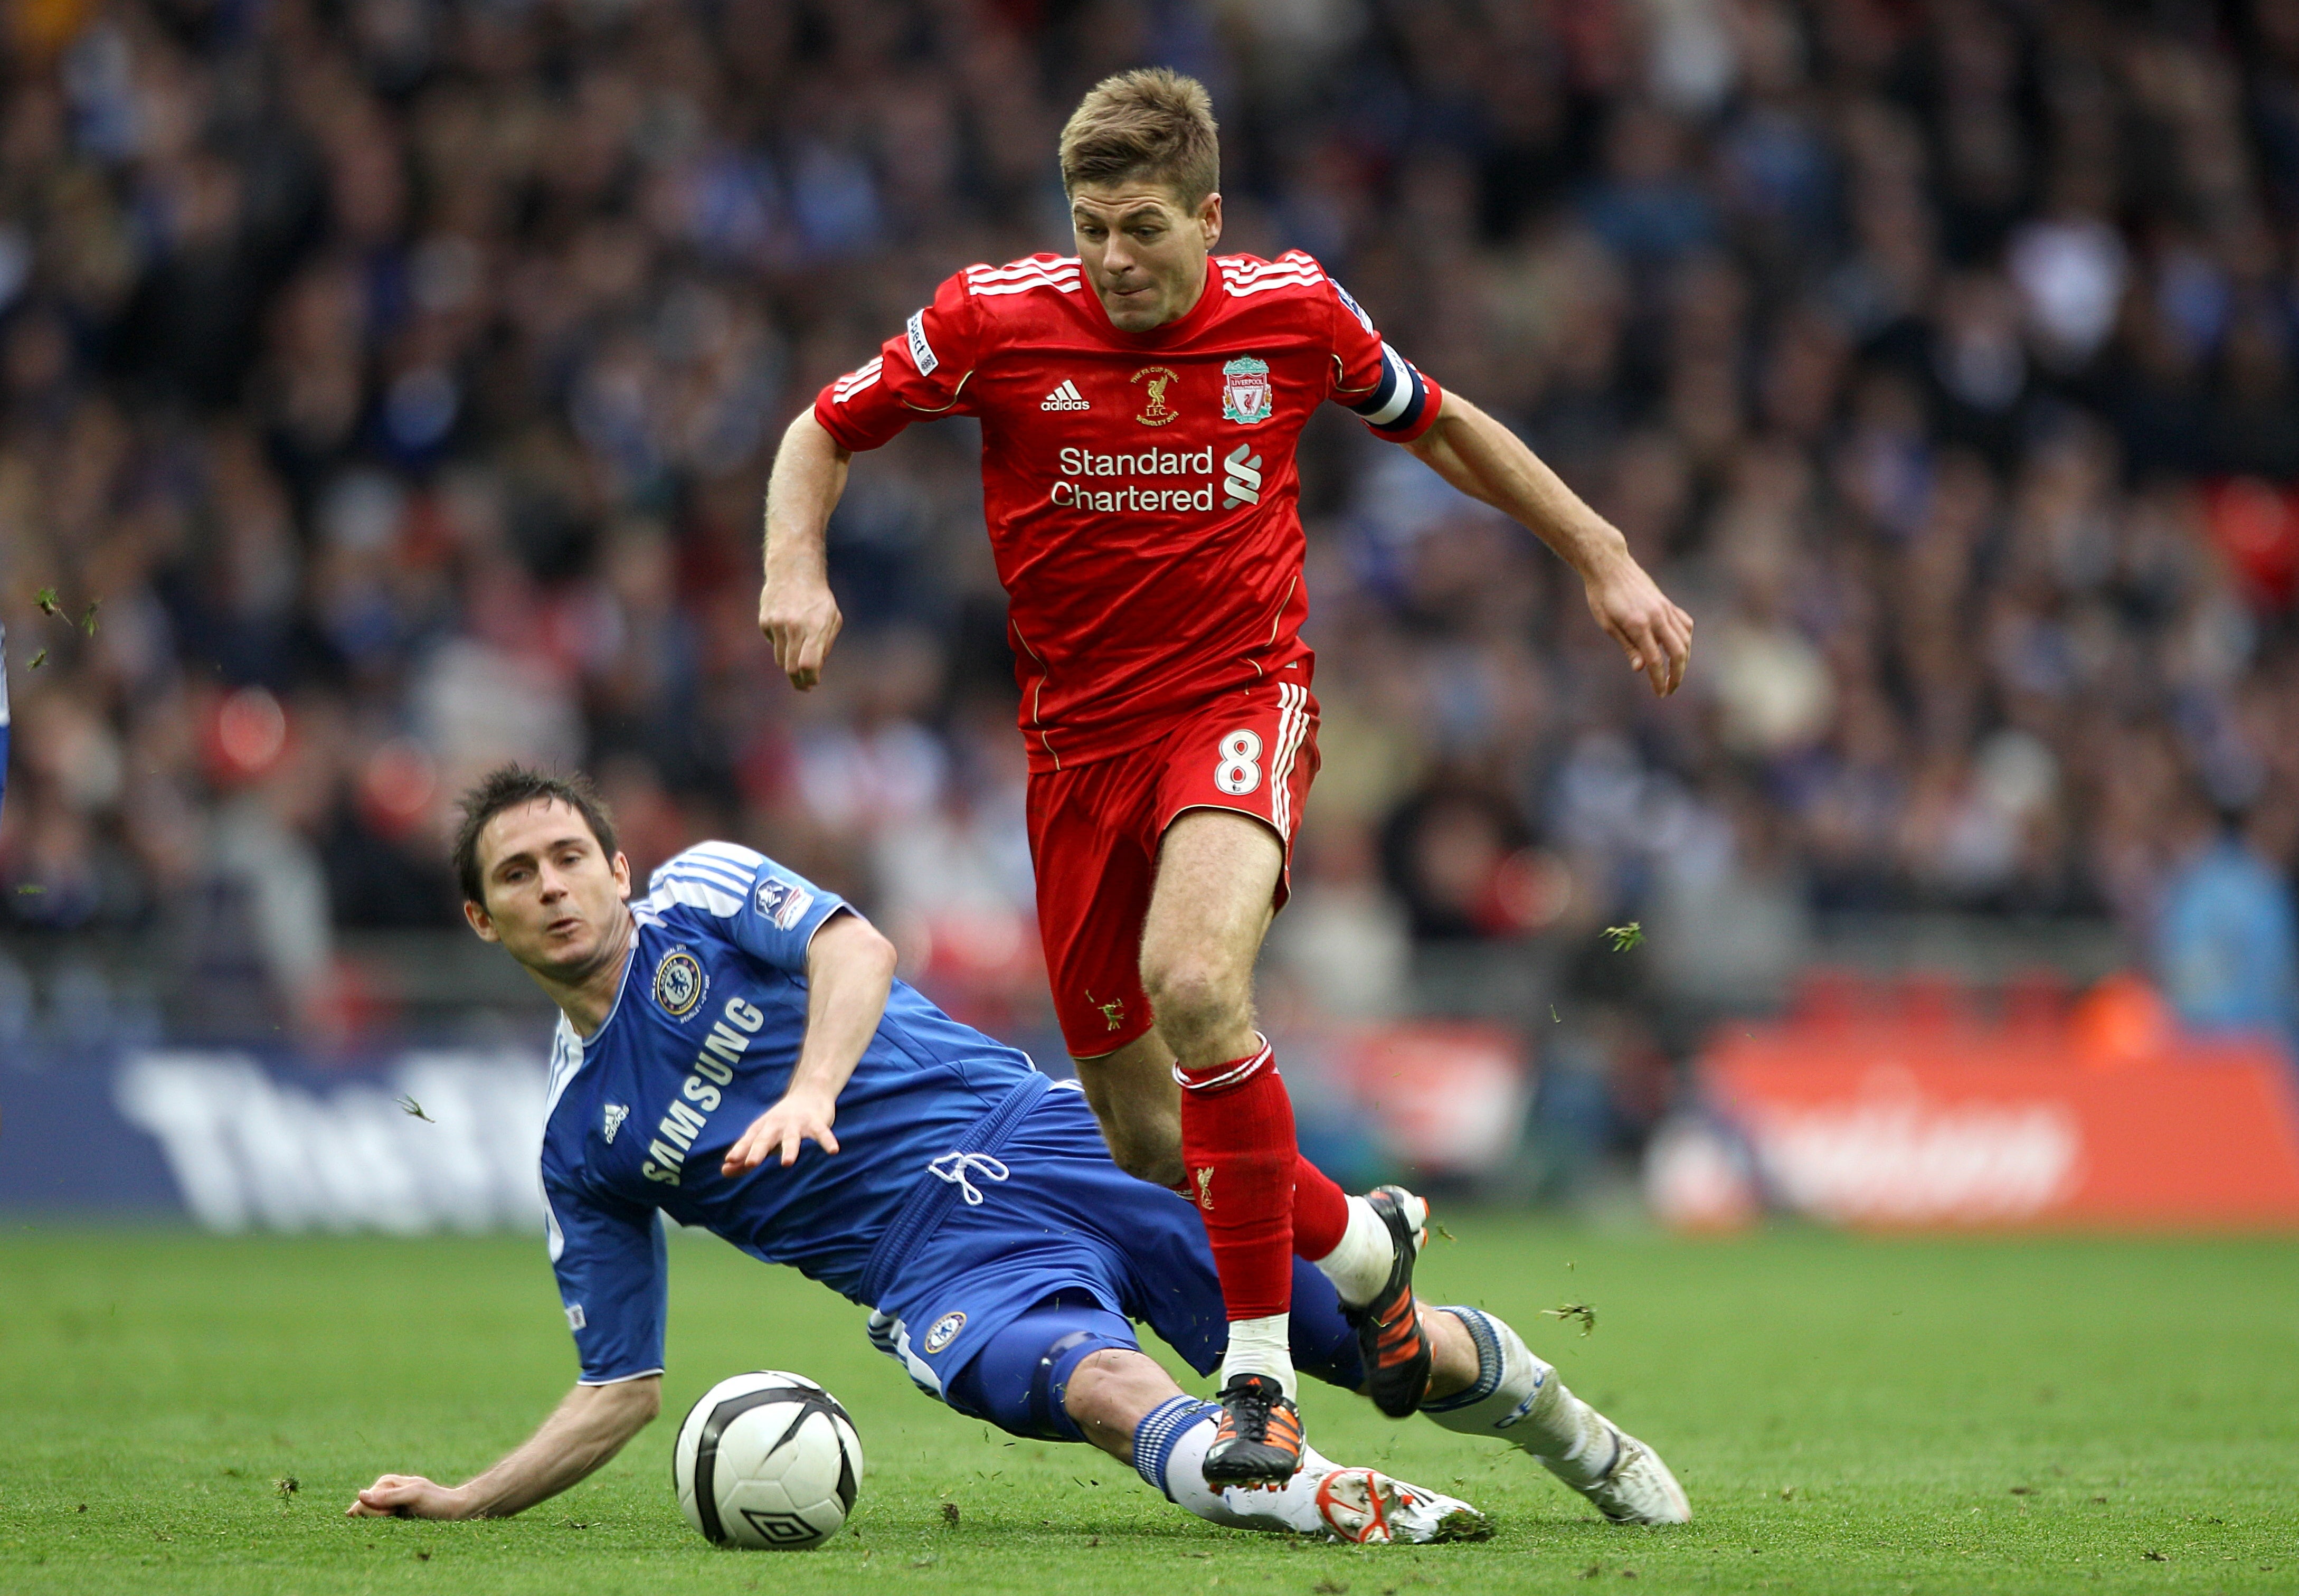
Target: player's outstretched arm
796, 609
1488, 461
590, 1427
850, 969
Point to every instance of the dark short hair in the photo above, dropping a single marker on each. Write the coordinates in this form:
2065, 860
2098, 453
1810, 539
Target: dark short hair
507, 786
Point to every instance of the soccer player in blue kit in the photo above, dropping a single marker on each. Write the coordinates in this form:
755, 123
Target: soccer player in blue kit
735, 1012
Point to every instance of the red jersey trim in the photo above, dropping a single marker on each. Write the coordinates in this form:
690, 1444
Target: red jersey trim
942, 409
1037, 694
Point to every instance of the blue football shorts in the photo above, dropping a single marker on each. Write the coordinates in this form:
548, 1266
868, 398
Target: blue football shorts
1007, 1296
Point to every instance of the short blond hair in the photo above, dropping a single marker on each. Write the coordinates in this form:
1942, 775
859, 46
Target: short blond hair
1152, 122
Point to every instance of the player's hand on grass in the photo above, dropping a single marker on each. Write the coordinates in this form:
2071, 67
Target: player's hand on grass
800, 617
1654, 633
406, 1496
798, 1118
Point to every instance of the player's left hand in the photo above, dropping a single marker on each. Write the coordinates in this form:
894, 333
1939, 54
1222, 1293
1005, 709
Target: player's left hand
405, 1496
1654, 633
799, 1118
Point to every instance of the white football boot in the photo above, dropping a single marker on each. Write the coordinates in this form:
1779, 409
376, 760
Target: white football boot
1366, 1508
1519, 1398
1637, 1489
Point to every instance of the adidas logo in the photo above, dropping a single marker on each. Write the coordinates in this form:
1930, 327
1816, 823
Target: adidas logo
1064, 397
616, 1114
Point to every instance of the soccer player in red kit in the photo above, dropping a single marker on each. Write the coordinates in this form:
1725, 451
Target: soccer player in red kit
1140, 403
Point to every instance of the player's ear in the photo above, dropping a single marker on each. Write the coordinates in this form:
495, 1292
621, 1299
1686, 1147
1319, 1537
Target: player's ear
475, 916
1209, 219
621, 867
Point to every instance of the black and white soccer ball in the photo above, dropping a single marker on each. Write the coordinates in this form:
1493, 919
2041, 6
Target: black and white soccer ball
767, 1459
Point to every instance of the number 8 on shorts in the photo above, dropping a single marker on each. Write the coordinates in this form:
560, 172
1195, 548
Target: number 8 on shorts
1240, 770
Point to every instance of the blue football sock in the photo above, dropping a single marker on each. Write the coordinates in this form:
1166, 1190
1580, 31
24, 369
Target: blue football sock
1159, 1429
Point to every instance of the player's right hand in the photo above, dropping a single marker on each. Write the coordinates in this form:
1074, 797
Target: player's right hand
405, 1496
800, 617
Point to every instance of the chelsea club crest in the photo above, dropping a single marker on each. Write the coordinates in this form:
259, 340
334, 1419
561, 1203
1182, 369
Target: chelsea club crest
679, 983
1245, 390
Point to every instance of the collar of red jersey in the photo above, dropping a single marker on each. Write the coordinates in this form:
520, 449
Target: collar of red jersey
1180, 330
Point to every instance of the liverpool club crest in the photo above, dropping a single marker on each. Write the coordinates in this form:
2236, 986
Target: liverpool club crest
1245, 390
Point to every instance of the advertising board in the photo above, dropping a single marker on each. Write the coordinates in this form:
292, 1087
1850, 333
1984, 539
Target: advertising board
1873, 1128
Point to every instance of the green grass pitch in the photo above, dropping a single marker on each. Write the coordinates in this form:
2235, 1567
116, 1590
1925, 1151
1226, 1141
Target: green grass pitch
1922, 1415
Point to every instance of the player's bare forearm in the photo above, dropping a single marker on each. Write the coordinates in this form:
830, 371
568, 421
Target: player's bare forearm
796, 609
1489, 463
587, 1428
850, 970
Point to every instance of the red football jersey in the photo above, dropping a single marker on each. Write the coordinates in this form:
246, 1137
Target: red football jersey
1140, 487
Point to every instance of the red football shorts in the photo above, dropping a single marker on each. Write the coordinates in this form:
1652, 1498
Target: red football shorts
1094, 831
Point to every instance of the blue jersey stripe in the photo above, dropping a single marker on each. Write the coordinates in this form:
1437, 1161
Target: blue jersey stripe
739, 887
746, 859
723, 860
704, 869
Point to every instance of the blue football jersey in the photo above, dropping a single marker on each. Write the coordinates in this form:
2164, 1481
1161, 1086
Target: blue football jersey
701, 1041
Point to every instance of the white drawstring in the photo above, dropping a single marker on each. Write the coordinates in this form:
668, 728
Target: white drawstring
980, 1163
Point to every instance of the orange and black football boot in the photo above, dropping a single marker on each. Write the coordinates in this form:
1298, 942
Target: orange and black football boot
1258, 1441
1392, 1339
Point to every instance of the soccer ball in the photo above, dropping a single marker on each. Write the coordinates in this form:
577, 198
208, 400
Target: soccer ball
767, 1459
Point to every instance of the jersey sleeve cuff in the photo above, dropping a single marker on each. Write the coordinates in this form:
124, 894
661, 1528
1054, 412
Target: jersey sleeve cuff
837, 908
826, 907
1404, 404
1432, 399
838, 426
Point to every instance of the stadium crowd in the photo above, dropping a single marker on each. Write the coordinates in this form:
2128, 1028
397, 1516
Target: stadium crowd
386, 386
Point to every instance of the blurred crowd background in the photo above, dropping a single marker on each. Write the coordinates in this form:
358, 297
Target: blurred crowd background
386, 388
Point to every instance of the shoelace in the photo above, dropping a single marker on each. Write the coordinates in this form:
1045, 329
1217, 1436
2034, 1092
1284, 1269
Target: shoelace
1250, 1414
958, 1164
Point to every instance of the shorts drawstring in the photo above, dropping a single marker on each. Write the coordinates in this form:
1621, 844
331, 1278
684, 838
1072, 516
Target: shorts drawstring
952, 1166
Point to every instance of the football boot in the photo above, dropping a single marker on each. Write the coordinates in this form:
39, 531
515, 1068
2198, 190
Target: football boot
1366, 1508
1258, 1441
1635, 1488
1392, 1339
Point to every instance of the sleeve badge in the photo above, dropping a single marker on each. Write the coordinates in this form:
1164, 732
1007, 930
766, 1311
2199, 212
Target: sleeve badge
781, 904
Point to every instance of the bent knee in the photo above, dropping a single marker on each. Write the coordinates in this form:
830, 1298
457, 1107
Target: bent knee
1115, 1387
1191, 994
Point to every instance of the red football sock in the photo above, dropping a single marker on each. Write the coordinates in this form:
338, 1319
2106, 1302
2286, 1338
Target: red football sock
1321, 1211
1237, 1141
